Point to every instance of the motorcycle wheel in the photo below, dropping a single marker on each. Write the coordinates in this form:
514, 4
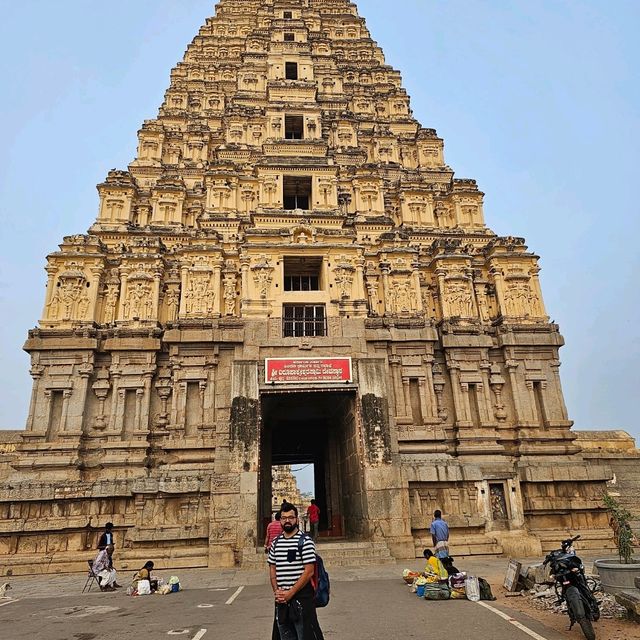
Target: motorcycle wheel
576, 607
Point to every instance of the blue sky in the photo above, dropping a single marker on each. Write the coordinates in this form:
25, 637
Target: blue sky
537, 100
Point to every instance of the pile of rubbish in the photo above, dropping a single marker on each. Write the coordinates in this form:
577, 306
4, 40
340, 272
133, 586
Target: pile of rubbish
543, 597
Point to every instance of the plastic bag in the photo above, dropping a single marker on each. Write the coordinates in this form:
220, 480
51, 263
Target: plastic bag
472, 587
144, 587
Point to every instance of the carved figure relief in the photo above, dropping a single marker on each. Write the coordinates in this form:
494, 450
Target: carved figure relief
459, 299
199, 296
69, 300
343, 276
172, 301
401, 296
262, 277
520, 300
372, 295
229, 294
138, 304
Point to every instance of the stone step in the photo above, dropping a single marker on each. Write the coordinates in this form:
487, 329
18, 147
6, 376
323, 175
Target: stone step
334, 554
594, 541
466, 545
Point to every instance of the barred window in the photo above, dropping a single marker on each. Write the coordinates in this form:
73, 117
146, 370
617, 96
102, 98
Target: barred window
304, 321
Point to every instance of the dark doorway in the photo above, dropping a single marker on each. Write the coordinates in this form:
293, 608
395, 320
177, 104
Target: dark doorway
296, 192
293, 127
319, 428
291, 70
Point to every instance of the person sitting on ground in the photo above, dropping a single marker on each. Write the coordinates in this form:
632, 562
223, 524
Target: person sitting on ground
144, 573
448, 565
103, 569
434, 567
274, 529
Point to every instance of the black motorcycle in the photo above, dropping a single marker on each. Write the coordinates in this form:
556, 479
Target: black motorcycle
572, 587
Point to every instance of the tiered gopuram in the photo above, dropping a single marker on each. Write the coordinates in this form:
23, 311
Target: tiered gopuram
285, 203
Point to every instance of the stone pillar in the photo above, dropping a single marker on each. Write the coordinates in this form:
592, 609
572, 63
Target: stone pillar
51, 430
96, 273
36, 372
537, 289
425, 409
440, 273
157, 276
384, 268
120, 407
66, 395
217, 268
181, 405
78, 408
51, 273
512, 366
394, 362
429, 390
406, 392
459, 401
487, 407
184, 273
415, 277
145, 417
499, 282
555, 369
138, 415
115, 396
359, 283
244, 270
124, 277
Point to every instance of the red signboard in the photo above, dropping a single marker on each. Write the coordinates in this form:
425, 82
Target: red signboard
295, 370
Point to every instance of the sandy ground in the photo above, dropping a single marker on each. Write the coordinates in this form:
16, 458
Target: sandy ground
605, 628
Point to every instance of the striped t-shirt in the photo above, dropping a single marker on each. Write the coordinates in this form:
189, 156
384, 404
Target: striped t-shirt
285, 556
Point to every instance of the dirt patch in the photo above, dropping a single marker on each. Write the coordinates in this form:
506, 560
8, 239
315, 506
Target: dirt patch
606, 629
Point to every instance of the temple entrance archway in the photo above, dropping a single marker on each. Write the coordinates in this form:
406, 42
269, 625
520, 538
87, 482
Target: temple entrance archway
319, 428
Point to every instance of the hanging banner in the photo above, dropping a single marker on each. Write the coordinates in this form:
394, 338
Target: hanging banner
296, 370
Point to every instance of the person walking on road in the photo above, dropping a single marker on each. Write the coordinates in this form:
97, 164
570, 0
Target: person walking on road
313, 513
440, 535
292, 559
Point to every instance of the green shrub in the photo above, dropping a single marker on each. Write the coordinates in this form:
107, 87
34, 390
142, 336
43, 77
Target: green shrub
619, 519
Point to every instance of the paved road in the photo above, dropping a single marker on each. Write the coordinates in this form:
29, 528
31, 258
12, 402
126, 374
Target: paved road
369, 609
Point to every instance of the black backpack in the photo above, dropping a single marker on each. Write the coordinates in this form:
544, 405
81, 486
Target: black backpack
485, 590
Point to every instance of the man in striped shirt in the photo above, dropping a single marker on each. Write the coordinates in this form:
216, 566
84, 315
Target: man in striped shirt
291, 570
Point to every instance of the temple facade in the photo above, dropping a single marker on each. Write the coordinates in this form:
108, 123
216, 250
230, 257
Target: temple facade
290, 273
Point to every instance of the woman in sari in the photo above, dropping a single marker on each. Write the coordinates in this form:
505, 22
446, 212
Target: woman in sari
144, 573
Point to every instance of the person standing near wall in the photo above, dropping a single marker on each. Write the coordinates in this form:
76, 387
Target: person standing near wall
274, 529
292, 559
440, 535
313, 513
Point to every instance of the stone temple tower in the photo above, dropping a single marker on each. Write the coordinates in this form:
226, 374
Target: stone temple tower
289, 273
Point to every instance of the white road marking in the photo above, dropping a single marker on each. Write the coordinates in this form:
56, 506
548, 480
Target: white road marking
178, 632
513, 621
199, 634
234, 596
205, 606
4, 604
